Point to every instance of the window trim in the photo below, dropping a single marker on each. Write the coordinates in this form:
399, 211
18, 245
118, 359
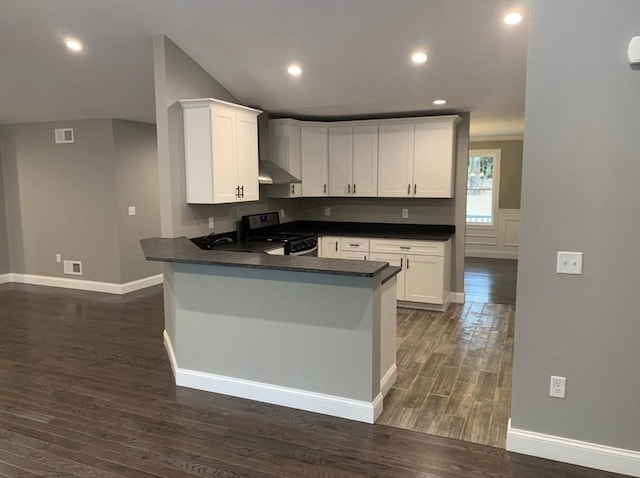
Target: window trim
495, 197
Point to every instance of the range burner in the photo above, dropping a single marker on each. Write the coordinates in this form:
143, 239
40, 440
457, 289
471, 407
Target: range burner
264, 227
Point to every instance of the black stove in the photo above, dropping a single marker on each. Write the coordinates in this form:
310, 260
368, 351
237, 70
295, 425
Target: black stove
265, 227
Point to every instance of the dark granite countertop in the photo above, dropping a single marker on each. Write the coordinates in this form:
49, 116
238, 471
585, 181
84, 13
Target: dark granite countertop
423, 232
390, 272
182, 250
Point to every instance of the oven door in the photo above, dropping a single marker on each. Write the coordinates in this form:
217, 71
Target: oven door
313, 252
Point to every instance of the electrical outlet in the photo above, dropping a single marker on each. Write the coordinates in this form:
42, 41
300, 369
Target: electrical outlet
558, 387
58, 257
327, 211
132, 210
405, 213
281, 213
210, 223
569, 263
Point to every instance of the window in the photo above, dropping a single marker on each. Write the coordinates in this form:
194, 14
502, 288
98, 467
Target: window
482, 186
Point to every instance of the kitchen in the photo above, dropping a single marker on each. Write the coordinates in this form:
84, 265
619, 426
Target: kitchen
195, 218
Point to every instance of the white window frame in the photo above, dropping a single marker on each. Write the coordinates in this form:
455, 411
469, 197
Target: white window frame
495, 197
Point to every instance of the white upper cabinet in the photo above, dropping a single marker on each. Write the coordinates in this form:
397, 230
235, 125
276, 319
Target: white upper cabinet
395, 160
416, 158
340, 160
353, 160
315, 160
221, 151
284, 150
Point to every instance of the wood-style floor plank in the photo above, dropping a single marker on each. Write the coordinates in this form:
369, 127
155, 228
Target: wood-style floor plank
86, 390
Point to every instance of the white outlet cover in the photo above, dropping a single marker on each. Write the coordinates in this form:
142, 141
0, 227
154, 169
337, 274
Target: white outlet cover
327, 211
569, 263
558, 387
132, 210
210, 223
405, 213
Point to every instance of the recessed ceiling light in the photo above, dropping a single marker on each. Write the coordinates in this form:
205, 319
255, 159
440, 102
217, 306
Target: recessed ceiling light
419, 57
512, 18
73, 45
294, 70
439, 102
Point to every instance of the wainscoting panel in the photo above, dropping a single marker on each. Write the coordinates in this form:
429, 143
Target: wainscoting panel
499, 241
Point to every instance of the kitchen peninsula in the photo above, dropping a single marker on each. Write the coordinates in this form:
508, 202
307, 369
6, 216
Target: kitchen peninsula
303, 332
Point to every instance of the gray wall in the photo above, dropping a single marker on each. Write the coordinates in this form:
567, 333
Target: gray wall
60, 199
581, 183
510, 170
136, 184
4, 240
177, 77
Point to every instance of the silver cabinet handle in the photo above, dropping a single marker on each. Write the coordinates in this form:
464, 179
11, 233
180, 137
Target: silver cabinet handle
401, 263
407, 262
415, 189
405, 247
409, 189
348, 188
354, 188
354, 245
237, 191
336, 246
365, 257
324, 188
293, 189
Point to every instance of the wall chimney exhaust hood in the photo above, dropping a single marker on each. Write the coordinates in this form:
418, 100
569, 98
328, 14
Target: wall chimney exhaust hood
270, 173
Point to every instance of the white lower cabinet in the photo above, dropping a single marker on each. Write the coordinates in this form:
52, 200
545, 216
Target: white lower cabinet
329, 247
425, 265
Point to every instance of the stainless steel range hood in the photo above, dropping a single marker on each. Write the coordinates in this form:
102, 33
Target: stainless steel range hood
270, 173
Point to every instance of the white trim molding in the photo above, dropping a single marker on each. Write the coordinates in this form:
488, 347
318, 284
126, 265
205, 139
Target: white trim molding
284, 396
93, 286
4, 278
388, 380
591, 455
457, 297
499, 241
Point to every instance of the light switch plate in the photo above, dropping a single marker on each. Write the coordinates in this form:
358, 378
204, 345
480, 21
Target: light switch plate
132, 210
569, 263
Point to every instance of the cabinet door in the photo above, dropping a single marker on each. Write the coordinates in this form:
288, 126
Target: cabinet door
247, 156
397, 260
365, 161
433, 160
314, 160
395, 157
424, 279
224, 154
330, 247
340, 161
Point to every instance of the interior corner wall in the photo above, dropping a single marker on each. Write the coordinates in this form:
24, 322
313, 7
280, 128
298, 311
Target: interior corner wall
5, 267
136, 169
60, 199
580, 192
177, 76
510, 170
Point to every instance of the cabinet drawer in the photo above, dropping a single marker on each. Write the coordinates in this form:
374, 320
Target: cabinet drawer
354, 255
401, 246
354, 244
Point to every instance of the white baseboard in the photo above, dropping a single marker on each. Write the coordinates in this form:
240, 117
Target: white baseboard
388, 380
4, 278
591, 455
87, 285
169, 347
490, 254
274, 394
457, 297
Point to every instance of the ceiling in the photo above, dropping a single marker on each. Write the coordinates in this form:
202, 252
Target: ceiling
355, 56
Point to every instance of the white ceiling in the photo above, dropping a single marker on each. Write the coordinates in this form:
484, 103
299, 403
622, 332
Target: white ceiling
355, 56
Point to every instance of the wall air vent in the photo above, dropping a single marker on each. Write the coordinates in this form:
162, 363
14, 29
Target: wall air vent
73, 267
64, 135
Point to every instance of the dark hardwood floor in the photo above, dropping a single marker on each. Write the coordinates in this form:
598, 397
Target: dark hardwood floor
490, 280
86, 391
